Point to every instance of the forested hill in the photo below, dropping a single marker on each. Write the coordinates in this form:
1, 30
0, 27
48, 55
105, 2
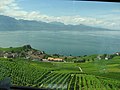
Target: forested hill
11, 24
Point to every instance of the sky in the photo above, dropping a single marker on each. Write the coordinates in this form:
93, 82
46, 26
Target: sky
98, 14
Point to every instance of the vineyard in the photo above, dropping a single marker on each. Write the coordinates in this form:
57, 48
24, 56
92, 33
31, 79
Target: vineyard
45, 75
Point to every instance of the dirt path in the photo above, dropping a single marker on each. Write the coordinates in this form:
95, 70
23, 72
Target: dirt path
80, 69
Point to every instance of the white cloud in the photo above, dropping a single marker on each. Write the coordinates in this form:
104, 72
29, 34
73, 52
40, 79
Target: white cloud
10, 8
7, 4
112, 20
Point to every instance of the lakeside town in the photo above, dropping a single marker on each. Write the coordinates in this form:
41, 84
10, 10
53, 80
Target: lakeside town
27, 52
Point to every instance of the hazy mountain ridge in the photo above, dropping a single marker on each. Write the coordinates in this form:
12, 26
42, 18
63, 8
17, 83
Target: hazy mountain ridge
10, 24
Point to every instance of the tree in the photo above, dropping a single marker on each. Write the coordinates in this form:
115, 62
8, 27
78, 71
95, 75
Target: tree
27, 47
56, 55
11, 60
46, 56
74, 57
84, 55
88, 60
43, 52
92, 59
65, 58
12, 51
79, 61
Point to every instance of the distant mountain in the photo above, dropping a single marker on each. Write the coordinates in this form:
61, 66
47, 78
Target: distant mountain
57, 23
10, 24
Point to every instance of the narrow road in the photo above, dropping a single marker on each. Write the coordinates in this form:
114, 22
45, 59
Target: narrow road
80, 69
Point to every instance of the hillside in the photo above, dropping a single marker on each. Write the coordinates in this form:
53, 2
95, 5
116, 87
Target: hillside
30, 67
101, 75
11, 24
25, 52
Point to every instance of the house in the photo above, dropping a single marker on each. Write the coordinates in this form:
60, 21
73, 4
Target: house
108, 57
99, 57
35, 58
27, 57
29, 52
55, 59
58, 59
45, 60
37, 53
104, 56
8, 55
117, 53
50, 59
15, 55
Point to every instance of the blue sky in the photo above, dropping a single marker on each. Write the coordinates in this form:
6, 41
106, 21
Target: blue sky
99, 14
68, 7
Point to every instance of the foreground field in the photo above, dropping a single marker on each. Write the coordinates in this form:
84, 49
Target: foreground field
97, 75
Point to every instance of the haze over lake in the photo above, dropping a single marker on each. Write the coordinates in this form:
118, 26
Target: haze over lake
66, 27
64, 42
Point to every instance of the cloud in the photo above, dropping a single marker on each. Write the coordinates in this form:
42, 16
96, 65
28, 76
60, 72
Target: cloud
7, 5
11, 8
111, 20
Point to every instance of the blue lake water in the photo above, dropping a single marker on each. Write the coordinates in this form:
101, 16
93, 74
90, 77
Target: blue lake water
64, 42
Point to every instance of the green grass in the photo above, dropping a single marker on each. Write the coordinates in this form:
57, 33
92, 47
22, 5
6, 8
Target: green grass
12, 49
104, 68
15, 49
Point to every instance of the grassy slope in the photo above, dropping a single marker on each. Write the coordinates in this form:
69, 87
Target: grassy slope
15, 49
12, 49
104, 68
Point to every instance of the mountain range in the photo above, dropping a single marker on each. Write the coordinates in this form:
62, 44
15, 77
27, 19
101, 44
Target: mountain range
11, 24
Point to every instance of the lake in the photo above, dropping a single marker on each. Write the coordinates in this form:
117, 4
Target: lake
64, 42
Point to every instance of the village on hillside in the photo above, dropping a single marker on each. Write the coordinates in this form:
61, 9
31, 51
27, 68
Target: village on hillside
27, 52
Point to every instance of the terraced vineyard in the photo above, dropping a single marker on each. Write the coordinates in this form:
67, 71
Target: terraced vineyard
42, 75
76, 82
